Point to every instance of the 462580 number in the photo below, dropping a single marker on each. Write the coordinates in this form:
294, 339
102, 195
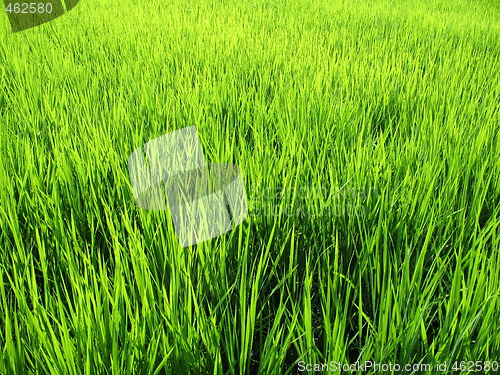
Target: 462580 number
29, 8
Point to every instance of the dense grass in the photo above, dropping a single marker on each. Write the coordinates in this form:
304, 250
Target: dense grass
367, 134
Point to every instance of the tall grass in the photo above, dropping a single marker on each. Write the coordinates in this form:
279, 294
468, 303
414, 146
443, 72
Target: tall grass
367, 134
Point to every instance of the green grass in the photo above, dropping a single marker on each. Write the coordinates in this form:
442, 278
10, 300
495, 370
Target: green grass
367, 135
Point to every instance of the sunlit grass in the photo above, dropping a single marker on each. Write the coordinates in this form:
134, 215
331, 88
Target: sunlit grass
367, 135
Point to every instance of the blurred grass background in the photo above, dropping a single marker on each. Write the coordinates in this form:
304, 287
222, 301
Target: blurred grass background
367, 134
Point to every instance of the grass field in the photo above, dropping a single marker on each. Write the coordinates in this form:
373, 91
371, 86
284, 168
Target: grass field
367, 133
